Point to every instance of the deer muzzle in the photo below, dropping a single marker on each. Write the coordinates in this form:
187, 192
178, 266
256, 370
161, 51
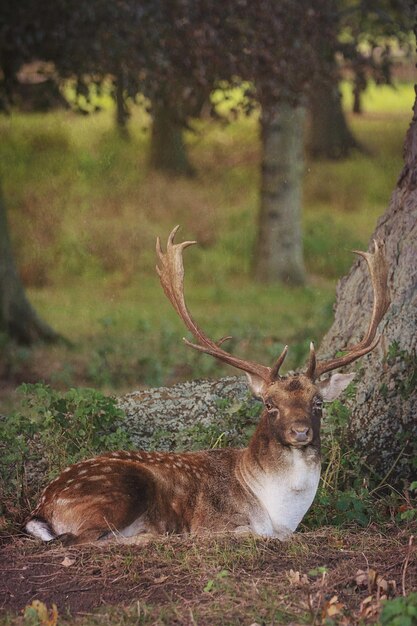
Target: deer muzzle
301, 434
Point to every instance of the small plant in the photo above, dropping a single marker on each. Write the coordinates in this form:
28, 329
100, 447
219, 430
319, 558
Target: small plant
400, 611
38, 614
408, 510
215, 584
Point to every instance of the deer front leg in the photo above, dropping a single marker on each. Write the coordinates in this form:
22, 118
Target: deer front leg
137, 540
283, 533
89, 536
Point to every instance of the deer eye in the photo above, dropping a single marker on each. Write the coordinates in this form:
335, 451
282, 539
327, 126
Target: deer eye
270, 407
317, 404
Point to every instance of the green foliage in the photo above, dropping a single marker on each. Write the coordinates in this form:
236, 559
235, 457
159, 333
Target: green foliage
216, 584
39, 614
99, 180
16, 433
58, 427
405, 384
74, 424
317, 572
408, 511
380, 99
401, 611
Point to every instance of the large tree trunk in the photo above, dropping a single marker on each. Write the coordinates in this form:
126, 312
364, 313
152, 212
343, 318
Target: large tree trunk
384, 410
18, 319
168, 151
279, 251
328, 135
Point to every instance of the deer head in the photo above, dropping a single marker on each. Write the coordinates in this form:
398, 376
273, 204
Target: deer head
292, 403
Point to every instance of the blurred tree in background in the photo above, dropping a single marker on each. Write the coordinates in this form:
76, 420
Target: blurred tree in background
368, 35
21, 32
18, 319
175, 53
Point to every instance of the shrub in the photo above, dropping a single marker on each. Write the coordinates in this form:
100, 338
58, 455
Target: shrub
58, 428
400, 611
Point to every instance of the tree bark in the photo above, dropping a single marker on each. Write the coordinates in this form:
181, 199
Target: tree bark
18, 320
168, 152
328, 134
168, 418
279, 252
384, 416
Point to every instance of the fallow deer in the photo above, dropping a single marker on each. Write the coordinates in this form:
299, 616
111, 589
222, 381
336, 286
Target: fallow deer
265, 488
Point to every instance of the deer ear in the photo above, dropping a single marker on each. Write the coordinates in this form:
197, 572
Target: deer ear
331, 388
256, 384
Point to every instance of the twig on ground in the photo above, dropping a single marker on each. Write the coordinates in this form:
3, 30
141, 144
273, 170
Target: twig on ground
405, 566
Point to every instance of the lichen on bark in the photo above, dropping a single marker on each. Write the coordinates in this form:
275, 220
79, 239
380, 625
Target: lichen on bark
168, 418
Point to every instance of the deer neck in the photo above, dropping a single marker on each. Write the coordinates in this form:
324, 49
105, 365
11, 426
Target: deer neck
282, 480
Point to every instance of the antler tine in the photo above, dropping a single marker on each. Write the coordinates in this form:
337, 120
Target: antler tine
275, 369
312, 362
171, 275
378, 271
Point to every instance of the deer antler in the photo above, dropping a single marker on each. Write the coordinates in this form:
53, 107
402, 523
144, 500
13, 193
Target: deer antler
171, 275
378, 270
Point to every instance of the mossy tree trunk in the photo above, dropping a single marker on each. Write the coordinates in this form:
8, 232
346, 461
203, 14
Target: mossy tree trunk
383, 426
168, 152
279, 251
18, 320
328, 134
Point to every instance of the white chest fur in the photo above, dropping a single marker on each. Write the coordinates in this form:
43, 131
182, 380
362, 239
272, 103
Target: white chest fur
285, 496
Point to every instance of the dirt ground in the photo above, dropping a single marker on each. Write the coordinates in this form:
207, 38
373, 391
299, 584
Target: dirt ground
334, 574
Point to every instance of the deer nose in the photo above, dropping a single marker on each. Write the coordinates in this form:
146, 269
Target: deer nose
301, 433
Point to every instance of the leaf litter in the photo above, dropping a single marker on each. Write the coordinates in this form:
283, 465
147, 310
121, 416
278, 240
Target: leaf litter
327, 576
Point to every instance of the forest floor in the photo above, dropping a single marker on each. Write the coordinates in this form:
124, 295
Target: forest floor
330, 576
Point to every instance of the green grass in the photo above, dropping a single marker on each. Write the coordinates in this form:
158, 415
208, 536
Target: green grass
84, 212
397, 98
